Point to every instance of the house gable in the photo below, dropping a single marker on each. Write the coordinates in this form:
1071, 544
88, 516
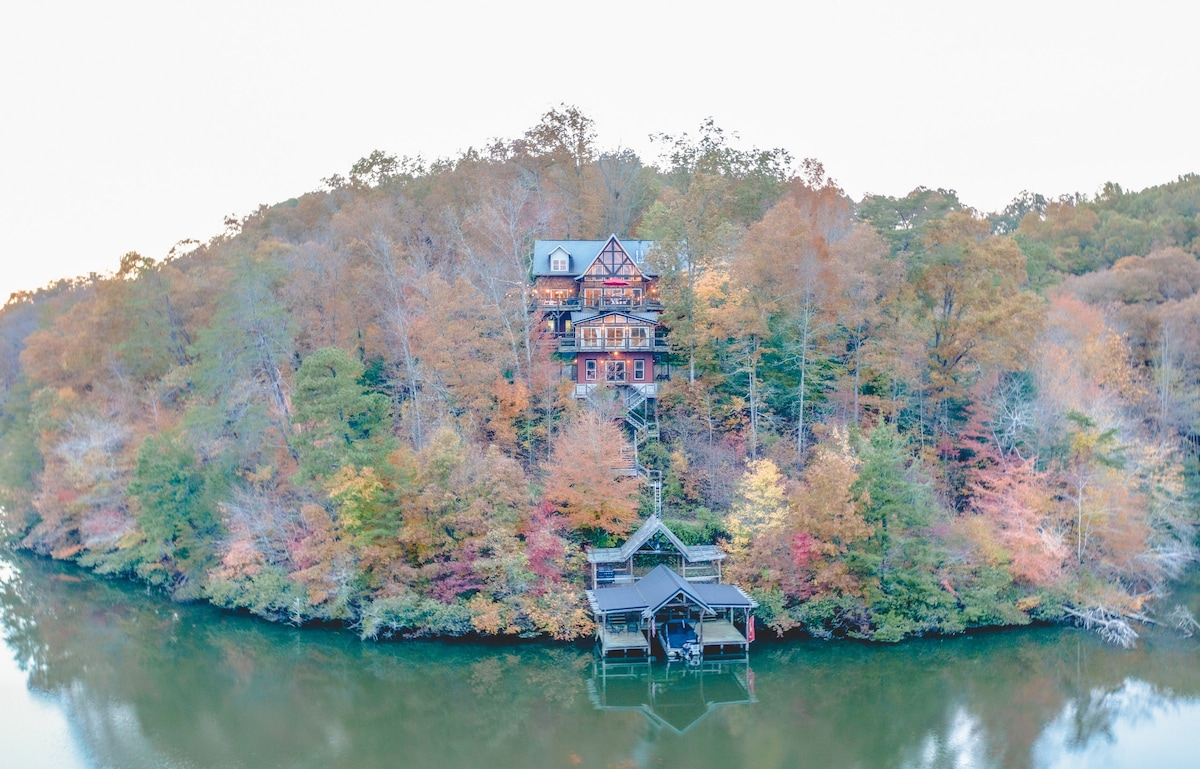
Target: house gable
612, 264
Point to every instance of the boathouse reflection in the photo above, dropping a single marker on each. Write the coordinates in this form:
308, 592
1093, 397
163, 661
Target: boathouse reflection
673, 697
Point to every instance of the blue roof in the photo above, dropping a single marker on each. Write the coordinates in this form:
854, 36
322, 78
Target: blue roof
583, 252
652, 591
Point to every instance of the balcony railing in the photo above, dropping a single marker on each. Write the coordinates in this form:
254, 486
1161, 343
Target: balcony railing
551, 304
607, 303
646, 389
569, 344
614, 344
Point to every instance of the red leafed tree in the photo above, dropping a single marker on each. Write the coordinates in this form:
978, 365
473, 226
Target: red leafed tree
1017, 501
1021, 520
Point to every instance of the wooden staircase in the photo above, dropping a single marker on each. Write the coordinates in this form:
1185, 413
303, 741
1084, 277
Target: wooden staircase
654, 478
627, 460
643, 426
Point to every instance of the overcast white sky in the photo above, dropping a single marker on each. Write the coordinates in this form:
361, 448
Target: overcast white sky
130, 126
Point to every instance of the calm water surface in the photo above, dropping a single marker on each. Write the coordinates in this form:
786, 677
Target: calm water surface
101, 674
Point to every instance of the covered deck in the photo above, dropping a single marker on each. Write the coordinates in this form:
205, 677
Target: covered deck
623, 637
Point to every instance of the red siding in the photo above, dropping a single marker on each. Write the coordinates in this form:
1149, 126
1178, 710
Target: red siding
600, 357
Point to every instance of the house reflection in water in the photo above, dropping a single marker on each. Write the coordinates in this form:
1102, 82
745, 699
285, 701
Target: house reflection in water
676, 697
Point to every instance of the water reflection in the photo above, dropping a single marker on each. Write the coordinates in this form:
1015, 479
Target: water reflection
143, 683
672, 697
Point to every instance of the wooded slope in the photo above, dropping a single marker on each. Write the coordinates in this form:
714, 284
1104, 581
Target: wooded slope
901, 416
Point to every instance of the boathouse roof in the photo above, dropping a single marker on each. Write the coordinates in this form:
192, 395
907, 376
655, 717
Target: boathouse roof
652, 526
662, 584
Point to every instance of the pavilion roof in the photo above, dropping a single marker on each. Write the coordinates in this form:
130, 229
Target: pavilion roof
654, 525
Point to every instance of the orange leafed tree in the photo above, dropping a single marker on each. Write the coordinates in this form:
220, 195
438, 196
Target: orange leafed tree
583, 482
827, 518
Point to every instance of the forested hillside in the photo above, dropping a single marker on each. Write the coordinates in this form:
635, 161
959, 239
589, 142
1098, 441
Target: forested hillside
900, 416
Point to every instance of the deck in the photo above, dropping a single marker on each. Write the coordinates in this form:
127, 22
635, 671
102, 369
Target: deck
716, 636
621, 639
723, 633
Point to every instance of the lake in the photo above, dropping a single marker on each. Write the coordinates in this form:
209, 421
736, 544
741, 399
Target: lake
98, 673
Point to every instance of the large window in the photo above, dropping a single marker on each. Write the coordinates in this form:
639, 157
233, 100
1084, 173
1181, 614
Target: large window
589, 336
639, 336
614, 337
614, 371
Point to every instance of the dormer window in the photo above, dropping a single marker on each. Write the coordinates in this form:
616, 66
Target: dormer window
559, 260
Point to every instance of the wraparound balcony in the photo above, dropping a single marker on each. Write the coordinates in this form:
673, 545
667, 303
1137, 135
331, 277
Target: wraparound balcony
606, 304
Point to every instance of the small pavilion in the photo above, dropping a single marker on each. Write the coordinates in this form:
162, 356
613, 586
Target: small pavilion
651, 545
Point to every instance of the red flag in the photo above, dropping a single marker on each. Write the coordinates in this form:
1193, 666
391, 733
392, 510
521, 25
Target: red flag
750, 630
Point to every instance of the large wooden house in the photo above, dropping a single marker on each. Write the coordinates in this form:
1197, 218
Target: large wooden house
600, 301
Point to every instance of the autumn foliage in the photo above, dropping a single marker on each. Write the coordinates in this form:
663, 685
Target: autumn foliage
898, 416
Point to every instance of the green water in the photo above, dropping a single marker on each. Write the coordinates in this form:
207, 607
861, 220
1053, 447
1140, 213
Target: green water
102, 674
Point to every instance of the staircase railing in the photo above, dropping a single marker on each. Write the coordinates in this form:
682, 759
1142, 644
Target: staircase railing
654, 478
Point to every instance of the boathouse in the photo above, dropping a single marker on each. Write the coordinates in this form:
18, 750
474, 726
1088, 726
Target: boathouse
664, 612
642, 606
